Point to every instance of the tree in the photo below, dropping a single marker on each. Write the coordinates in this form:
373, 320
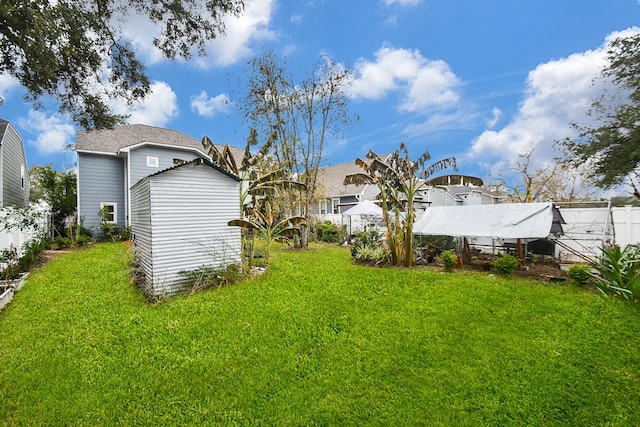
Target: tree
611, 147
554, 182
257, 184
58, 189
74, 51
302, 116
399, 179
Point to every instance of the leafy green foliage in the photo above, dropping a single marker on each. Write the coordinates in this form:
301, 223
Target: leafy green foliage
270, 227
327, 232
449, 260
318, 340
399, 179
580, 274
612, 146
619, 271
58, 189
506, 263
64, 48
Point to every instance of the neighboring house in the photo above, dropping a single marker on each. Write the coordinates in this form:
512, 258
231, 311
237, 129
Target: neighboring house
14, 175
179, 224
335, 197
111, 161
456, 195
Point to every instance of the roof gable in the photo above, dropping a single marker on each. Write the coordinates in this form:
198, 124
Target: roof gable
111, 141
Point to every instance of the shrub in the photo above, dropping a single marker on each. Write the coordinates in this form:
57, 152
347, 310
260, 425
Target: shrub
327, 232
61, 242
620, 271
371, 255
449, 259
580, 274
506, 264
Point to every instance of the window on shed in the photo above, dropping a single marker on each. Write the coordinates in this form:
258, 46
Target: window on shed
152, 162
110, 211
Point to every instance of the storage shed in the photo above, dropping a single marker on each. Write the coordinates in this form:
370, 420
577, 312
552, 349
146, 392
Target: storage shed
179, 224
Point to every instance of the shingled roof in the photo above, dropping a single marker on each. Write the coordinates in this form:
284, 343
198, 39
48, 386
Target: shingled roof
113, 140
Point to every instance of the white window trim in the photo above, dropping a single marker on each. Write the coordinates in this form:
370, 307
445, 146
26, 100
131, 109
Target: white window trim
152, 162
115, 211
335, 206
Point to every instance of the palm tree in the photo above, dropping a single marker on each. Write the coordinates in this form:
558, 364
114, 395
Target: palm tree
399, 179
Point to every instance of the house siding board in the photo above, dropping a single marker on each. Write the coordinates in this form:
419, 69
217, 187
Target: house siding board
100, 179
14, 163
190, 207
138, 168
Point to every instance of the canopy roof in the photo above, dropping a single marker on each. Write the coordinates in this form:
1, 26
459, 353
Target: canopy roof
365, 207
500, 221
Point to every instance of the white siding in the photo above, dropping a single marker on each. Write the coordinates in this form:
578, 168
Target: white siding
141, 233
189, 209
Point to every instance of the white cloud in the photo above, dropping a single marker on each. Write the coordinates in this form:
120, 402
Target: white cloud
425, 83
206, 106
7, 84
403, 2
157, 109
558, 93
54, 132
242, 33
496, 114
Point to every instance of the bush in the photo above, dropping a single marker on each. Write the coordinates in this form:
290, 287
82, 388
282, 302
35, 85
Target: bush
371, 255
327, 232
61, 242
506, 264
449, 259
580, 274
620, 271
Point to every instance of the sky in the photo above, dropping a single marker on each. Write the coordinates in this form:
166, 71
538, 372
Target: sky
482, 81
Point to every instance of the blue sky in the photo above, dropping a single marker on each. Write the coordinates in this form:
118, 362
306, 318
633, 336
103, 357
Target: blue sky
479, 80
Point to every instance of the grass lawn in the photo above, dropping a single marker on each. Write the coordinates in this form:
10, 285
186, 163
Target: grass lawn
315, 341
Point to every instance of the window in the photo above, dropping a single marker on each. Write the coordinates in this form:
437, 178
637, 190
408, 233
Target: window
152, 162
22, 175
111, 211
324, 206
335, 206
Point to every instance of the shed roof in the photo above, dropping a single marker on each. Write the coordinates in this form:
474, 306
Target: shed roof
499, 221
197, 161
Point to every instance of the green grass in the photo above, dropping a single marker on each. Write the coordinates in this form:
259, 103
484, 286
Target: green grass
315, 341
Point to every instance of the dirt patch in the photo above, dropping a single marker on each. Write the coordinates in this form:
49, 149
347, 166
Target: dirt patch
47, 255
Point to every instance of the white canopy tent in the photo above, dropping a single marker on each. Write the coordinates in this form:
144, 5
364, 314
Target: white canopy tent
366, 213
500, 221
365, 207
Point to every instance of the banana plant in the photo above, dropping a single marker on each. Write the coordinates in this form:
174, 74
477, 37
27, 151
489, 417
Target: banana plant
399, 179
269, 227
256, 185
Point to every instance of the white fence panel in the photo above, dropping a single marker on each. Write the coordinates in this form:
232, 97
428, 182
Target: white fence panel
626, 221
14, 237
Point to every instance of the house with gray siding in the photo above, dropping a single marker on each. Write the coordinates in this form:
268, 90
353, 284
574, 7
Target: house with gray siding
179, 222
111, 161
334, 197
14, 175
